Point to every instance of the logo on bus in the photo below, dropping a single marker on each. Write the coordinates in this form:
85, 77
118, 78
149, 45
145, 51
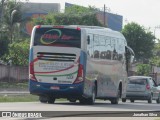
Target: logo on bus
50, 36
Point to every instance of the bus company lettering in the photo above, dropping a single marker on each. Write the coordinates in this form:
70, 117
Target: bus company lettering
50, 36
54, 65
53, 35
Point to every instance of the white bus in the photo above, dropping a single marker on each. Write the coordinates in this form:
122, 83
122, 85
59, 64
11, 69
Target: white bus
78, 63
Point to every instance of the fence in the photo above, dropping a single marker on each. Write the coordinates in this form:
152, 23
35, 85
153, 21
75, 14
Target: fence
13, 73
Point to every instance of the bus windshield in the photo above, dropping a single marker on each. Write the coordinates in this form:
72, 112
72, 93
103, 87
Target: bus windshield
63, 37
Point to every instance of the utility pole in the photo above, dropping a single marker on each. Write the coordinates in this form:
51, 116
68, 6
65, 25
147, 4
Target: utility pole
104, 15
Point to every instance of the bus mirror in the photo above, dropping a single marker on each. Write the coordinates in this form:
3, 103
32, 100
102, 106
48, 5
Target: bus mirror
132, 59
88, 39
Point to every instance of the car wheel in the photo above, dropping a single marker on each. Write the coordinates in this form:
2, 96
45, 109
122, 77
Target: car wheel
132, 101
150, 99
158, 100
123, 100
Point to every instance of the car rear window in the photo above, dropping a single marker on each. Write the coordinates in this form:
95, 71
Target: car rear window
140, 81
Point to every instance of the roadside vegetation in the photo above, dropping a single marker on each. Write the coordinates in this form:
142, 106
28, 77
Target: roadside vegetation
18, 98
13, 86
22, 98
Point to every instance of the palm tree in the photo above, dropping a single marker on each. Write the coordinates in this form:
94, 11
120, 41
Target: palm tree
12, 16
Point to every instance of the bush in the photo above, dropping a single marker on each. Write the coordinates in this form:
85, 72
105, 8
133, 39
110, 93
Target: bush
143, 69
18, 53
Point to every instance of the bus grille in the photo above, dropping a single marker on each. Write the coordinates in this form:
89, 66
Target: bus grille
56, 56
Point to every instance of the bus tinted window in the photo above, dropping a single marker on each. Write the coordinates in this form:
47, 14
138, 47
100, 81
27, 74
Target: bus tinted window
57, 37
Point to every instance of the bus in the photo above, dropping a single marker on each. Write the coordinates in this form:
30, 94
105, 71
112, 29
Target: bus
78, 63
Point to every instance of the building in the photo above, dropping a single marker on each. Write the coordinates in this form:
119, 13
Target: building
35, 10
112, 21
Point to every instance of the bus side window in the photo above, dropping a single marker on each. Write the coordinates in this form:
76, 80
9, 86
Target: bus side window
108, 55
96, 46
90, 45
96, 54
103, 55
88, 39
115, 55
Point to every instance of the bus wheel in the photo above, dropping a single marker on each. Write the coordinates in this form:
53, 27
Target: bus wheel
91, 100
123, 100
132, 101
72, 100
43, 99
51, 100
115, 100
83, 101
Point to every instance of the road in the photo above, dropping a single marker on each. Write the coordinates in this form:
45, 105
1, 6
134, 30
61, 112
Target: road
101, 109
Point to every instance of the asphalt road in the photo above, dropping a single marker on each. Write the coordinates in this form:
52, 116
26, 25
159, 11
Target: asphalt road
99, 111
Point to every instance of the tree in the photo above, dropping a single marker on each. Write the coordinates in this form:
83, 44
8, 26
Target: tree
12, 16
75, 15
143, 69
18, 53
140, 40
155, 60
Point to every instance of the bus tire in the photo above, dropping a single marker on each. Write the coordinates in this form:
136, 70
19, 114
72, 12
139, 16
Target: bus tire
51, 100
132, 101
91, 100
116, 100
72, 100
43, 99
83, 101
123, 99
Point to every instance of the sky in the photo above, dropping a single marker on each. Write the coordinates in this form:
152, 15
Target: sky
144, 12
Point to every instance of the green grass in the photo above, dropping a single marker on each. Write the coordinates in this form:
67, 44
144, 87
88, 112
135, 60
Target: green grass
5, 85
18, 98
22, 98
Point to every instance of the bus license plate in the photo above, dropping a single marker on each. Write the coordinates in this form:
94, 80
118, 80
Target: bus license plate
54, 88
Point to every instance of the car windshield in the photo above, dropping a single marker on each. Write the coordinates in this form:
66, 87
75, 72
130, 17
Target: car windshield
141, 81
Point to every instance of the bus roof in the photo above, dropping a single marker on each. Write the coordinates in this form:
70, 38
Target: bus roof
73, 26
89, 29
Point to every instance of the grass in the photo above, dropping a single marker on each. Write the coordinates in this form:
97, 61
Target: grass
18, 98
22, 98
6, 85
